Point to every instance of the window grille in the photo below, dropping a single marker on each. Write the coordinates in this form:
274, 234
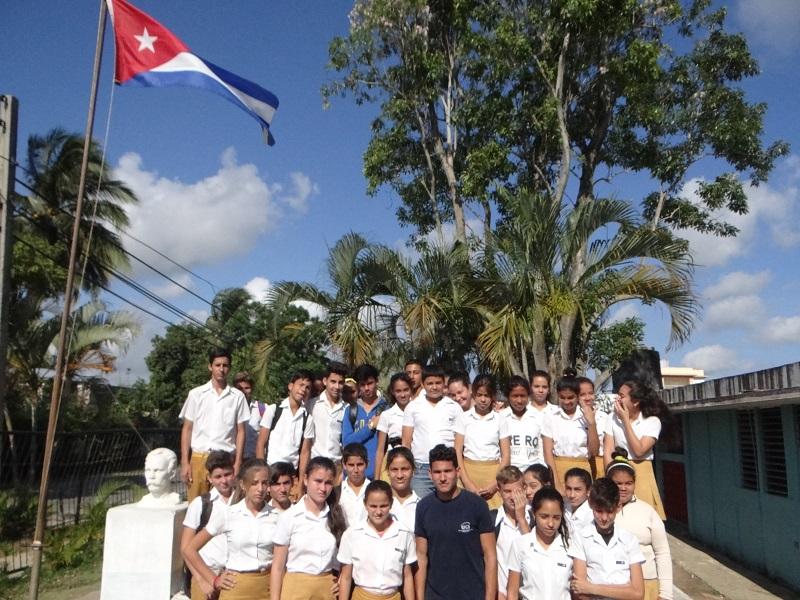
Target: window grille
774, 451
748, 453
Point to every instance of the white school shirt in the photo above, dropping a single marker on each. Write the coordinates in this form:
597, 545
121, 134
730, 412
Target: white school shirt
433, 424
311, 546
545, 572
378, 560
508, 533
214, 417
249, 537
391, 422
215, 552
525, 436
642, 427
284, 440
606, 563
569, 434
406, 512
327, 428
578, 519
353, 504
482, 434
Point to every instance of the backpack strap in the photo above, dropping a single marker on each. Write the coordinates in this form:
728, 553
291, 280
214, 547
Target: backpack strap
205, 511
261, 408
276, 417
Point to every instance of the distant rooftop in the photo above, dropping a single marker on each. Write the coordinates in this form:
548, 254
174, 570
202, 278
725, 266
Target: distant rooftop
775, 386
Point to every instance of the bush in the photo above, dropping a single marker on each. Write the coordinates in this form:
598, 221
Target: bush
17, 512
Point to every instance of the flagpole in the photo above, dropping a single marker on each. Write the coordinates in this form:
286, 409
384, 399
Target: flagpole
58, 379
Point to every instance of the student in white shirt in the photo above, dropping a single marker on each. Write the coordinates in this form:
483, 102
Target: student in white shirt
482, 443
510, 520
245, 383
327, 412
428, 422
539, 565
536, 477
307, 537
524, 424
414, 368
641, 519
351, 498
540, 394
586, 397
636, 426
569, 436
400, 463
281, 479
214, 554
578, 513
248, 527
214, 417
390, 424
376, 554
286, 429
458, 388
607, 561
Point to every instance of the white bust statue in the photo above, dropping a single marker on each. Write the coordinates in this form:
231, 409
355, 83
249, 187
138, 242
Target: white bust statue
160, 468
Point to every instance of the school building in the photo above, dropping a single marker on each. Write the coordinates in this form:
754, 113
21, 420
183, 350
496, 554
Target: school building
729, 467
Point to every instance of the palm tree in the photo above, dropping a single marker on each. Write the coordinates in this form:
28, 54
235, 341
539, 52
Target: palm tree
552, 275
52, 171
354, 314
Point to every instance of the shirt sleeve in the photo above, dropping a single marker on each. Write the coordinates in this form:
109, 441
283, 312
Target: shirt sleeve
242, 410
283, 530
610, 424
310, 430
515, 554
663, 556
502, 427
651, 427
192, 518
345, 554
460, 426
269, 414
383, 422
547, 426
411, 550
408, 415
575, 549
189, 410
419, 521
634, 551
485, 521
216, 522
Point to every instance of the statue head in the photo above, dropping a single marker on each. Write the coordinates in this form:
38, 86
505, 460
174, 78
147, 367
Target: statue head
160, 468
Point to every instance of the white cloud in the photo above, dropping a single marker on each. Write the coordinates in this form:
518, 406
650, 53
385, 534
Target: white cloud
302, 189
714, 360
781, 330
258, 287
773, 23
207, 221
312, 308
774, 213
626, 311
735, 311
170, 290
738, 283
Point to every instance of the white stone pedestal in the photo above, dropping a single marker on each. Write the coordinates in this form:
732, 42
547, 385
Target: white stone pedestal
141, 553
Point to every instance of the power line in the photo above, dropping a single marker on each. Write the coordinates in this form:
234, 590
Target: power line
131, 236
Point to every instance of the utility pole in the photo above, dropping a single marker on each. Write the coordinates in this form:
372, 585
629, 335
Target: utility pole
8, 160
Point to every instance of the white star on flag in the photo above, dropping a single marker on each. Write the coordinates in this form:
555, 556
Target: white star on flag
146, 41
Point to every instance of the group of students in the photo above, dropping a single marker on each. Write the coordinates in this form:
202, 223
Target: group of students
440, 489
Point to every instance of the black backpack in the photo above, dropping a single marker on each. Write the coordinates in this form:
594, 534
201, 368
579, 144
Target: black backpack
205, 515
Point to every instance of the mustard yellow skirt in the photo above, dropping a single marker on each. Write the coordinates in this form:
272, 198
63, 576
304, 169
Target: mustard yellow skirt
651, 589
249, 586
301, 586
564, 464
360, 594
483, 473
646, 486
384, 472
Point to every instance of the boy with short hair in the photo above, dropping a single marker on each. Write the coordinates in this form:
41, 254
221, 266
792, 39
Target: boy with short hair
455, 537
245, 383
281, 480
286, 431
214, 417
360, 424
328, 411
428, 422
607, 560
223, 482
351, 498
413, 368
510, 520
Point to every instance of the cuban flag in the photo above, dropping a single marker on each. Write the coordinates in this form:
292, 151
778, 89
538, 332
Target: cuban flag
149, 55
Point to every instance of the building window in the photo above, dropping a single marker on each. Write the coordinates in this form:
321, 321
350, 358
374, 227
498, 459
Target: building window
748, 454
774, 452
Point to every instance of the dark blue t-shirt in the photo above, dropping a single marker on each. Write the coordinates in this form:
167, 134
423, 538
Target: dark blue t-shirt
455, 557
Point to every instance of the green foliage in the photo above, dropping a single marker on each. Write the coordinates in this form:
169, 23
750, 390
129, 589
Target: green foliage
611, 344
17, 512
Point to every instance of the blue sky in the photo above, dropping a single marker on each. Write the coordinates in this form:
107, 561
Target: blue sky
240, 214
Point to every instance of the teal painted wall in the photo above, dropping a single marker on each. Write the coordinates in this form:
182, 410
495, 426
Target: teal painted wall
759, 529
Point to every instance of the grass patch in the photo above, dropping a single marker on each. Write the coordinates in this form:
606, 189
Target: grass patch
55, 585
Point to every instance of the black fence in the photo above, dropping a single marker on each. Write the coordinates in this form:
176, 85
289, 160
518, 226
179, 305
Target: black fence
82, 463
